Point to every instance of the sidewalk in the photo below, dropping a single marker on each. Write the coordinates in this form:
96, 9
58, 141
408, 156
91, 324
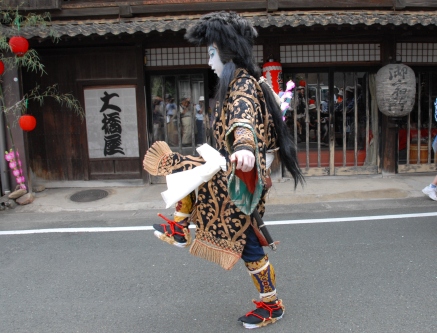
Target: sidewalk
133, 195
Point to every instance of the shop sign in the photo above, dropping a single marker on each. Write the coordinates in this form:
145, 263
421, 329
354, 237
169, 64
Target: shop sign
111, 121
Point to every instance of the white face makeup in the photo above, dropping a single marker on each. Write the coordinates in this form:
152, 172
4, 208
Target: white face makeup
214, 60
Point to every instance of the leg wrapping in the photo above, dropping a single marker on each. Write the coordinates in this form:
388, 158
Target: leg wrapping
264, 279
184, 208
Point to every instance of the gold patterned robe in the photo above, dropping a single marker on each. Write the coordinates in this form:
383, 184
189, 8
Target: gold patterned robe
221, 225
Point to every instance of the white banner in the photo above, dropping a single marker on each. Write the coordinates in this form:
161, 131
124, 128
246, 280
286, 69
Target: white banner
111, 121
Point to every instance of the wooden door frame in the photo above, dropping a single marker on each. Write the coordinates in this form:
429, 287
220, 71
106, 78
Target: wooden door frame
84, 83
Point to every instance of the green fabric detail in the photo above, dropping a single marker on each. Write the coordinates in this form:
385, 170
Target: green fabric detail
240, 195
237, 189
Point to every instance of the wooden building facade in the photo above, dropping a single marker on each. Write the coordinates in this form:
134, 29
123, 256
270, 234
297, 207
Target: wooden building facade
129, 65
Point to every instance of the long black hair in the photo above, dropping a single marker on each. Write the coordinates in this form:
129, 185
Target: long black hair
288, 149
234, 37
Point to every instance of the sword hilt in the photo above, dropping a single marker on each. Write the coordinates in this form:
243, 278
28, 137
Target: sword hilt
262, 227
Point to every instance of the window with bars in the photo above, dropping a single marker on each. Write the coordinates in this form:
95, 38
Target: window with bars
184, 56
416, 52
176, 56
312, 53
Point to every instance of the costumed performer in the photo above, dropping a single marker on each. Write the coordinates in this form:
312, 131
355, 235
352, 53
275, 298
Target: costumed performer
248, 124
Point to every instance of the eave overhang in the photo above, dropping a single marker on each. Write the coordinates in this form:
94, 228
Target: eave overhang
261, 20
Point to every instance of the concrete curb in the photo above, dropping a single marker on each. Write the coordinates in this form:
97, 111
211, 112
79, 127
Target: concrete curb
315, 190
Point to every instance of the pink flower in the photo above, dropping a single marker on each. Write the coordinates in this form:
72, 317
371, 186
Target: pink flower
14, 161
290, 85
19, 180
9, 156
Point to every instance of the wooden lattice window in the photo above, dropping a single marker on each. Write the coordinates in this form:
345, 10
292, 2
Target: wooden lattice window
313, 53
416, 52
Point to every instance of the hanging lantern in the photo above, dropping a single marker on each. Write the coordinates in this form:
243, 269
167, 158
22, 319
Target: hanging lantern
302, 83
272, 71
19, 45
27, 122
395, 90
2, 67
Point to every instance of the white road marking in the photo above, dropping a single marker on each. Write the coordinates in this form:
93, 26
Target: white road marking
352, 219
147, 228
73, 230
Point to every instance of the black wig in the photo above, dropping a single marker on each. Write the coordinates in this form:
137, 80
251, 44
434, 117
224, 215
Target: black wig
234, 37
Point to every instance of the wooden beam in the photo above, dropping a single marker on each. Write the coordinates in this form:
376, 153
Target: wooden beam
272, 5
296, 4
416, 4
125, 11
257, 5
36, 5
204, 7
400, 4
87, 12
335, 4
88, 8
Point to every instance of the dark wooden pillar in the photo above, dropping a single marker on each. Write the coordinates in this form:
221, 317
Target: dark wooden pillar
271, 50
389, 137
389, 127
12, 94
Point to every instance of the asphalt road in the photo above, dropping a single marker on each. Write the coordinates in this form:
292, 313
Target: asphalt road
354, 274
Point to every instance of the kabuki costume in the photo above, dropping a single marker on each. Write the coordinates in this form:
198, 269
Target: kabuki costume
248, 118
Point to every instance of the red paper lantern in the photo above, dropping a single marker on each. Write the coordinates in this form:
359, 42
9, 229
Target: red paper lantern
19, 45
272, 71
27, 122
2, 67
302, 83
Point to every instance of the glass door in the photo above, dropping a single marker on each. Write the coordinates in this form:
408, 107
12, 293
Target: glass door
331, 121
418, 130
177, 112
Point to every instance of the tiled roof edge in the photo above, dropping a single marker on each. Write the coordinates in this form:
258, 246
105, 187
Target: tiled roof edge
263, 20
